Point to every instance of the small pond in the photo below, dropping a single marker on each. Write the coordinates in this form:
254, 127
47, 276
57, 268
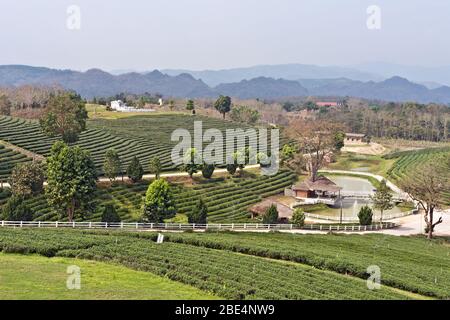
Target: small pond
351, 207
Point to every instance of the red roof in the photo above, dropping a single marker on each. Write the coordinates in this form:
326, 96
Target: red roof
327, 104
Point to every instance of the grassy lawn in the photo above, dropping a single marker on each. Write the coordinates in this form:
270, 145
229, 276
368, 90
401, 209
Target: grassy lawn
36, 277
359, 162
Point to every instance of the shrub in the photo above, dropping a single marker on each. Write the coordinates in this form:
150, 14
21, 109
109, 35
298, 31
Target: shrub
208, 170
298, 217
110, 214
16, 210
365, 216
159, 203
199, 213
271, 215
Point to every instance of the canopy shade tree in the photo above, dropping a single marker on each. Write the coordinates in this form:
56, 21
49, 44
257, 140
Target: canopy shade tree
71, 178
316, 140
223, 105
159, 203
428, 188
5, 105
64, 115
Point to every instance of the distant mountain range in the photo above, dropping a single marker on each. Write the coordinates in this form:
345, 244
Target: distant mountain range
98, 83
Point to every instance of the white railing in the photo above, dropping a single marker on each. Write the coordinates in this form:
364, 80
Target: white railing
192, 226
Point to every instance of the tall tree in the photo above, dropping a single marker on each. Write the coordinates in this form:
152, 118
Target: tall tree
71, 178
382, 199
65, 115
135, 170
199, 213
159, 203
155, 166
428, 187
223, 105
27, 179
109, 214
112, 164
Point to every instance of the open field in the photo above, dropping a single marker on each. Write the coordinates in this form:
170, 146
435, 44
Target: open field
36, 277
227, 198
246, 274
8, 160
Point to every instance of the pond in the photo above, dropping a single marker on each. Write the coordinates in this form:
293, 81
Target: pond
351, 207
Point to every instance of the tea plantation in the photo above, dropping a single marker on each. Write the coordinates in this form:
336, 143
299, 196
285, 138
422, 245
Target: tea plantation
8, 160
218, 271
227, 198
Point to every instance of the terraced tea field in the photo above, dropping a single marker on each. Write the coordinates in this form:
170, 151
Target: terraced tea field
407, 162
27, 134
141, 136
227, 198
8, 160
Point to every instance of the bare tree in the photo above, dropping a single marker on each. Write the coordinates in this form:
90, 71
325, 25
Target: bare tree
316, 140
427, 187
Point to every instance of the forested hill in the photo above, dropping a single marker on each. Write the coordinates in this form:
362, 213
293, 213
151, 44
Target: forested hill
98, 83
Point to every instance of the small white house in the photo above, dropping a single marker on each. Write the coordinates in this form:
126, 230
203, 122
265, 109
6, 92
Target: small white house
118, 105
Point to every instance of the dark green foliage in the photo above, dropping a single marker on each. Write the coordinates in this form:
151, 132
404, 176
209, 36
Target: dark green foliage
339, 138
71, 178
231, 168
208, 170
365, 216
135, 170
65, 115
159, 203
110, 214
190, 105
223, 105
199, 213
16, 210
271, 215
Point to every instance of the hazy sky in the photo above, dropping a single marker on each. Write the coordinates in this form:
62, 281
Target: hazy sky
213, 34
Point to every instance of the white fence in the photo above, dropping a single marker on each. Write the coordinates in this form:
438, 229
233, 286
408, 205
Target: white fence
353, 219
193, 226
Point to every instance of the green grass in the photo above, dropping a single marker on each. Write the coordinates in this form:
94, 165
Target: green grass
36, 277
359, 162
227, 274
